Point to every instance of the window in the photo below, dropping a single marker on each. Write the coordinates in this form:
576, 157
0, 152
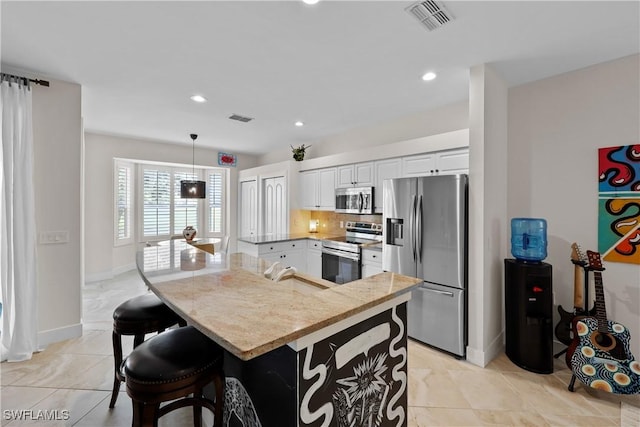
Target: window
164, 214
185, 210
215, 194
123, 202
156, 202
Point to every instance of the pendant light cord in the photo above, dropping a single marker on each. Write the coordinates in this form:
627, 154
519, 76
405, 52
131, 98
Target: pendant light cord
193, 155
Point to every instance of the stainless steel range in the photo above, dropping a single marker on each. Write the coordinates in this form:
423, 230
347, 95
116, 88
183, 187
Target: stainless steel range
341, 256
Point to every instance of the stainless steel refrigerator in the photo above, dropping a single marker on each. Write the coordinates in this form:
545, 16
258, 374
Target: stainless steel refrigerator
425, 236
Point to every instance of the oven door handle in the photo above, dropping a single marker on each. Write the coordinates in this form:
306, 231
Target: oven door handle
340, 254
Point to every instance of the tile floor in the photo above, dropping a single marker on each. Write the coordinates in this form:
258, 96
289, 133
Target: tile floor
76, 376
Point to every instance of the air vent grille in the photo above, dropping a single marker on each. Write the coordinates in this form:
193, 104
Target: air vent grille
431, 14
240, 118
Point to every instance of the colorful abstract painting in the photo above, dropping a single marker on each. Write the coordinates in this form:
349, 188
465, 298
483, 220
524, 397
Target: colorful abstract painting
619, 203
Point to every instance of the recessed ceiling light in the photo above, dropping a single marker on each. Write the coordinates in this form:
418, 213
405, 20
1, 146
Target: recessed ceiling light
198, 98
310, 1
429, 76
299, 123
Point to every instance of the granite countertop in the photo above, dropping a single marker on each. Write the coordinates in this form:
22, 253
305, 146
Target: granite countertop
228, 298
285, 237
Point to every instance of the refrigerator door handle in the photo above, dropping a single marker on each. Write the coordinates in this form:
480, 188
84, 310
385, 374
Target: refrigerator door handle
412, 227
436, 291
419, 235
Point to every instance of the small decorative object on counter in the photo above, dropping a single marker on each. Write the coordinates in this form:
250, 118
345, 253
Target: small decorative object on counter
189, 233
298, 152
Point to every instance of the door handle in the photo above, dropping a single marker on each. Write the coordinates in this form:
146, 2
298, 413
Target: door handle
412, 231
419, 224
436, 291
415, 228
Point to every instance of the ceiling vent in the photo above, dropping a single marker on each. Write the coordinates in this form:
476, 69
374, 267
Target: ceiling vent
431, 14
240, 118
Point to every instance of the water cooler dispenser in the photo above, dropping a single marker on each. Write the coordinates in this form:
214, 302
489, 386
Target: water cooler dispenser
529, 297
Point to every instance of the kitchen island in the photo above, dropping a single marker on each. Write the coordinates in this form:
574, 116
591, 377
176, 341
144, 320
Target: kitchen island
301, 351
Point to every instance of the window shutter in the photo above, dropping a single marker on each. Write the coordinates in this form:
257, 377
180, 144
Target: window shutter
156, 203
123, 203
215, 202
185, 210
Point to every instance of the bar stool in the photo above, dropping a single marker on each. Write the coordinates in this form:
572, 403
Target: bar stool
137, 316
173, 365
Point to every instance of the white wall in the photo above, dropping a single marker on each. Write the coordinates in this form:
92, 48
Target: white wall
57, 135
431, 122
556, 126
487, 212
102, 259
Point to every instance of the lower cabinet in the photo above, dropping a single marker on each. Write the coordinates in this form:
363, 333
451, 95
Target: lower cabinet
291, 253
314, 258
371, 262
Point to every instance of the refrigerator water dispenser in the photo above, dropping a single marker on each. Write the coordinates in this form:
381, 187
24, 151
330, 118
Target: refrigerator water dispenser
394, 233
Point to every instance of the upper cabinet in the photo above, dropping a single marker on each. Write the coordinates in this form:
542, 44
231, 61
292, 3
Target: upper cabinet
419, 165
384, 169
356, 175
317, 189
453, 161
439, 163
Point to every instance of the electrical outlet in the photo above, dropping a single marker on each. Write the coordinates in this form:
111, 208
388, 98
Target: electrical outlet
341, 224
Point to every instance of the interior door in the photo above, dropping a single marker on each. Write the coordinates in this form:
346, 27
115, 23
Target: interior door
248, 208
275, 212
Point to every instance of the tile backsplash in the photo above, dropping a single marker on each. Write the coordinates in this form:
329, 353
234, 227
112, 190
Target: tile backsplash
329, 222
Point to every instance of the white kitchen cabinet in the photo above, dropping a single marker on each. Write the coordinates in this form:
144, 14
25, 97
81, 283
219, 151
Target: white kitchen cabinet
419, 165
439, 163
356, 175
248, 208
276, 212
290, 253
453, 161
384, 169
314, 258
317, 189
371, 262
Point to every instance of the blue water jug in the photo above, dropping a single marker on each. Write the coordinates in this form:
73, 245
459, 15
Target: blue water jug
529, 239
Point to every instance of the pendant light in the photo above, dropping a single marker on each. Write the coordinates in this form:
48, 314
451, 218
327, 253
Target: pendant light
191, 189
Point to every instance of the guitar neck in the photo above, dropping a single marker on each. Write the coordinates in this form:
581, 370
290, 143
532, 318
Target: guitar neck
578, 288
601, 311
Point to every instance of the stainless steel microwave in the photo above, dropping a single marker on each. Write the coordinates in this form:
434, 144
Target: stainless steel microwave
355, 200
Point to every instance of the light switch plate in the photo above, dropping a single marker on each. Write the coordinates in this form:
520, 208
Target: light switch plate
53, 237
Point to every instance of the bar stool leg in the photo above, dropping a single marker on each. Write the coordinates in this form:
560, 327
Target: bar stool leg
144, 414
197, 410
219, 383
117, 360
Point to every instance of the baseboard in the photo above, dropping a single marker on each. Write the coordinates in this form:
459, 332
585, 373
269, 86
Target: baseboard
60, 334
483, 357
108, 275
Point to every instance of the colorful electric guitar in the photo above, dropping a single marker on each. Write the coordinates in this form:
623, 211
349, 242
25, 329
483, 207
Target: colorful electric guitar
563, 328
599, 354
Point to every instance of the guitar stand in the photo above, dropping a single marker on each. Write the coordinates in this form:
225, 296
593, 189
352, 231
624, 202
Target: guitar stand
585, 310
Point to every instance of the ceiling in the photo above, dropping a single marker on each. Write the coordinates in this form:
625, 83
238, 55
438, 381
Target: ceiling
336, 65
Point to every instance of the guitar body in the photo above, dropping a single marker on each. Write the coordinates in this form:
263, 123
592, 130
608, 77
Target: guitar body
563, 327
603, 360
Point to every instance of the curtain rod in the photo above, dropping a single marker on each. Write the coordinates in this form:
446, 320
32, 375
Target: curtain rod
35, 81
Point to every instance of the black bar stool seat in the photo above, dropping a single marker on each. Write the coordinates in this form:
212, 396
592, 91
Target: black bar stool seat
137, 316
173, 365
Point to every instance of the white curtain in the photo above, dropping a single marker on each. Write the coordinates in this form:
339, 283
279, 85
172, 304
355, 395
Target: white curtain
17, 226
